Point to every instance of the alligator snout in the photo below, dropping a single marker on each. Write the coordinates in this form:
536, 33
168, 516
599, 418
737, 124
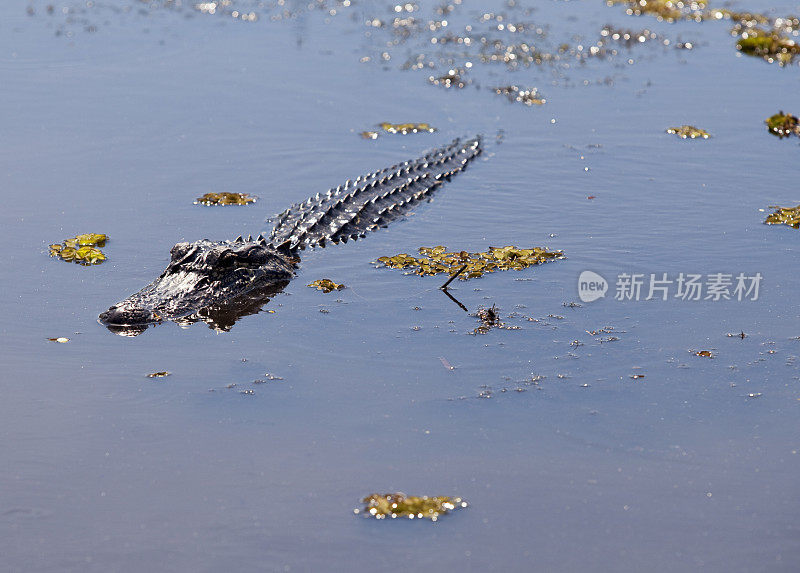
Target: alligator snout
125, 316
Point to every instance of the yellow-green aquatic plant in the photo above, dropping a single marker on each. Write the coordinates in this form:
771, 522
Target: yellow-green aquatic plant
326, 285
81, 249
394, 505
784, 216
437, 260
226, 198
783, 125
689, 132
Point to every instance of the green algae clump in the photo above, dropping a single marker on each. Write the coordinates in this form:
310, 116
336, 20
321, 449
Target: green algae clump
81, 249
784, 216
406, 128
326, 285
90, 239
689, 132
664, 10
394, 505
783, 125
437, 260
771, 45
226, 198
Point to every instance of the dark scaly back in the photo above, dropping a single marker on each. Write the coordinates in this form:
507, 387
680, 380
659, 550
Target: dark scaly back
371, 201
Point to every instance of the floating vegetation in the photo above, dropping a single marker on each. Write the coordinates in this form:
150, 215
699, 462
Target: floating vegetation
784, 216
82, 249
226, 198
490, 318
399, 128
758, 34
783, 125
771, 45
394, 505
528, 96
436, 260
689, 132
664, 10
406, 128
326, 285
162, 374
704, 354
451, 79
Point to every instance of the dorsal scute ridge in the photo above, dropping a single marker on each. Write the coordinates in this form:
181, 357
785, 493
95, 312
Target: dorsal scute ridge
351, 209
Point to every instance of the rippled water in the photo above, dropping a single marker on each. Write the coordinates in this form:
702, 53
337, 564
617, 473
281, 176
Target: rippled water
118, 114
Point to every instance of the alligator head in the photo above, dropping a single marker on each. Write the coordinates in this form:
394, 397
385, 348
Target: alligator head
205, 280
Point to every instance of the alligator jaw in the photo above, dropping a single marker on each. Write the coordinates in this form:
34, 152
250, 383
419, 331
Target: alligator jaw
204, 275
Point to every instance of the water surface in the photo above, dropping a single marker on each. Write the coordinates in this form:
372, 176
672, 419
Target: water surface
118, 114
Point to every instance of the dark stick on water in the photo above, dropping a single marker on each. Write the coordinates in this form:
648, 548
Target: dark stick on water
452, 277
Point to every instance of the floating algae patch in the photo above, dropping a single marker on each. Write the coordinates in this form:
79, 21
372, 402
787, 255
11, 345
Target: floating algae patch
394, 505
689, 132
489, 319
162, 374
771, 45
436, 260
783, 125
406, 128
784, 216
527, 96
399, 128
326, 285
82, 249
663, 10
758, 34
452, 79
226, 198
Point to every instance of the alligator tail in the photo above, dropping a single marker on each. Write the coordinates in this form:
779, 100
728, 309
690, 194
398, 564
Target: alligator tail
371, 201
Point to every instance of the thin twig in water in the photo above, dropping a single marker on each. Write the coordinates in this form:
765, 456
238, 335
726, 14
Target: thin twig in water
453, 277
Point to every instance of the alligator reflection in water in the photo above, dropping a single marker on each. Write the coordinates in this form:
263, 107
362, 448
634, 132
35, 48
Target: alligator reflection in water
220, 317
219, 282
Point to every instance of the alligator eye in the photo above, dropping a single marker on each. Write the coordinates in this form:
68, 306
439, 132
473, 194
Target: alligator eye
255, 255
227, 259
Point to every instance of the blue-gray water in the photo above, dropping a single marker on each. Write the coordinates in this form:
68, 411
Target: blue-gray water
116, 115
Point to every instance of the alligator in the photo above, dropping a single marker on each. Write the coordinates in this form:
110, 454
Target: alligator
219, 282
